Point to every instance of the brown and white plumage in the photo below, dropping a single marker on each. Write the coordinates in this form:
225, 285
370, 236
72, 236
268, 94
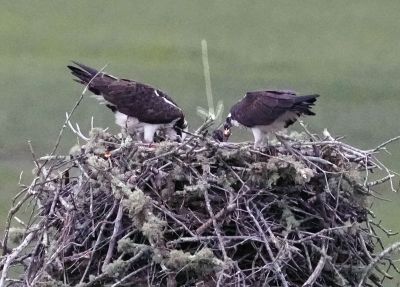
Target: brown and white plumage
137, 107
269, 111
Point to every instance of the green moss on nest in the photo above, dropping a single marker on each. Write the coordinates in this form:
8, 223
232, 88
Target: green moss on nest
116, 268
153, 228
137, 203
284, 169
129, 246
200, 212
202, 262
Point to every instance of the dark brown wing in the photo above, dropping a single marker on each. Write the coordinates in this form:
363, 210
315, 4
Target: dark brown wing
264, 107
145, 103
134, 99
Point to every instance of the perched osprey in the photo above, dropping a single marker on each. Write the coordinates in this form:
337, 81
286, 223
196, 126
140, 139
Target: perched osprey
138, 108
268, 111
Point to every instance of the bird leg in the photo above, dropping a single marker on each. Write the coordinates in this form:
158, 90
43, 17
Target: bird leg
261, 142
270, 149
259, 137
149, 131
124, 136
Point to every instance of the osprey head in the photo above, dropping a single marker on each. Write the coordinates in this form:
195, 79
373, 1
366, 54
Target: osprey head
227, 127
181, 127
221, 136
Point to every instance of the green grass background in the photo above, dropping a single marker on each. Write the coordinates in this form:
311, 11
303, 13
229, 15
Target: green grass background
347, 51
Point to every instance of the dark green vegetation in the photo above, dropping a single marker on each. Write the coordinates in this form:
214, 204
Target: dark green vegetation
346, 51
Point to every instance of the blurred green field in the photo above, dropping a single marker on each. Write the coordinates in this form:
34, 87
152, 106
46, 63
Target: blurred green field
349, 52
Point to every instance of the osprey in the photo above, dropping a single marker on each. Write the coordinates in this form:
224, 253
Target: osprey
138, 108
267, 112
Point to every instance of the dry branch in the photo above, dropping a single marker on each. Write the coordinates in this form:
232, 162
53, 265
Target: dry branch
117, 212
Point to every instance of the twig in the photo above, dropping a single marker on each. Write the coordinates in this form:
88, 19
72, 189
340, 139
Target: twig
380, 181
216, 226
33, 154
318, 269
98, 240
15, 252
130, 275
365, 275
10, 215
95, 281
58, 140
229, 208
269, 250
76, 130
116, 231
382, 145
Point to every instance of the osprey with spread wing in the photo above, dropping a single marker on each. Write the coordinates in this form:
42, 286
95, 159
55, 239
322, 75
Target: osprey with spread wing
268, 111
138, 108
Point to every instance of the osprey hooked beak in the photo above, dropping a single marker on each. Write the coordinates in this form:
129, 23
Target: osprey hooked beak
227, 131
181, 129
222, 135
227, 134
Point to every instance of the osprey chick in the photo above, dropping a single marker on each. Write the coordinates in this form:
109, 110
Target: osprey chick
138, 108
268, 111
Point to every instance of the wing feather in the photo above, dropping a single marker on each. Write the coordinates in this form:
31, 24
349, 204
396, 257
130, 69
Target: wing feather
262, 107
129, 97
265, 107
145, 105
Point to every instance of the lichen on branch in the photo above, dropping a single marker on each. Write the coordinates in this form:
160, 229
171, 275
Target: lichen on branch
117, 212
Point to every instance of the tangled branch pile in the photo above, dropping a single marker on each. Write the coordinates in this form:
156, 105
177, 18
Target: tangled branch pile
199, 213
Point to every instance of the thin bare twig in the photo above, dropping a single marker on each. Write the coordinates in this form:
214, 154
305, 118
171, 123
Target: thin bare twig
367, 271
58, 140
318, 269
116, 232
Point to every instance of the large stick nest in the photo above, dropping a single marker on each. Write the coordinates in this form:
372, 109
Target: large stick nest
117, 212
